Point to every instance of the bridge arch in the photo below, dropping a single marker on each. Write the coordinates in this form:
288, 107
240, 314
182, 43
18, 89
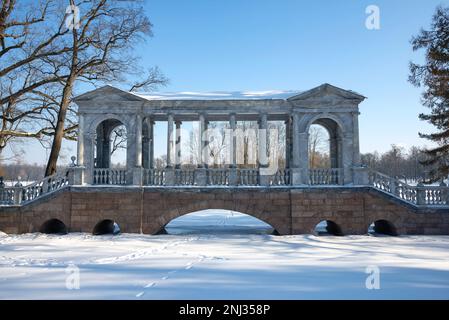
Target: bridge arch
53, 226
217, 221
280, 220
384, 227
106, 226
328, 227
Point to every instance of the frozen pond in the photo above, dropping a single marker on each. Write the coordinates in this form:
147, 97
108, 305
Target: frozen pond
221, 255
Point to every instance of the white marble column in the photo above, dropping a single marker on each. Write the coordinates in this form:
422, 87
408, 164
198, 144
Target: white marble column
356, 146
233, 142
262, 147
202, 150
303, 138
80, 145
151, 141
178, 145
347, 157
295, 138
89, 146
169, 140
138, 141
288, 142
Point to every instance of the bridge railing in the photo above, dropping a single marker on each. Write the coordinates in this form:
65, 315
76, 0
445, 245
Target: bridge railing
7, 195
104, 176
326, 176
417, 195
281, 178
154, 177
19, 194
185, 177
248, 177
218, 177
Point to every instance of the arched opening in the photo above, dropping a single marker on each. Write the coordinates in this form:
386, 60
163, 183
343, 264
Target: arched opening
106, 226
382, 227
53, 226
319, 147
324, 152
328, 228
221, 222
111, 145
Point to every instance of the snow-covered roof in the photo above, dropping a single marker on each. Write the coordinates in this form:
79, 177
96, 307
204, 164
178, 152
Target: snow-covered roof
109, 92
218, 95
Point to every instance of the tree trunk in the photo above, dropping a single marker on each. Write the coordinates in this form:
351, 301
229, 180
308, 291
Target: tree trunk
59, 131
65, 102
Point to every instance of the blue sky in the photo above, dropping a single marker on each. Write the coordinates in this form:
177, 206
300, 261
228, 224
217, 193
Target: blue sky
204, 45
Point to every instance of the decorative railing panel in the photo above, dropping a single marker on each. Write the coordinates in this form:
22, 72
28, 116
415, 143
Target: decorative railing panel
248, 177
184, 177
380, 181
418, 195
435, 195
218, 177
281, 178
327, 176
154, 177
23, 194
7, 195
108, 176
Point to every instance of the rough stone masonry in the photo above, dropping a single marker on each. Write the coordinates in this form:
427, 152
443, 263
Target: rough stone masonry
293, 210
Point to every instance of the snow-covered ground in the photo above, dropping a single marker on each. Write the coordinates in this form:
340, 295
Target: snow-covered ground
214, 259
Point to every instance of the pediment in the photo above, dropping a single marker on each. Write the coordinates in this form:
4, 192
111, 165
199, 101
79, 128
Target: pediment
108, 93
327, 94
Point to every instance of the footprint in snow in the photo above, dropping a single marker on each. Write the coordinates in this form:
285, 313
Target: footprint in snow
152, 284
140, 294
165, 278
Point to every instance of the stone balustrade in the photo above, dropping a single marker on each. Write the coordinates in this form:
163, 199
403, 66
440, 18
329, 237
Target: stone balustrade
7, 195
184, 177
281, 178
154, 177
19, 194
248, 177
104, 176
326, 176
420, 194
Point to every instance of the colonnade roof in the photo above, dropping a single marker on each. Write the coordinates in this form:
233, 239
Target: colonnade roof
270, 95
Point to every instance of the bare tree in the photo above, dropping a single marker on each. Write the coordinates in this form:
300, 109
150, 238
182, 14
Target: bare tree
46, 51
28, 36
101, 50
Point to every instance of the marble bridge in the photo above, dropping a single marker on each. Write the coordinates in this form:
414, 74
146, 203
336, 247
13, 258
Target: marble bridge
293, 197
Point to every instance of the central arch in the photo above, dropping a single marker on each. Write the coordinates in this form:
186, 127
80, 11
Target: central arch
217, 221
271, 207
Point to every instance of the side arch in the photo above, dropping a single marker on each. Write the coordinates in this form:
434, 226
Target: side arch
53, 226
92, 125
106, 226
307, 121
383, 226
